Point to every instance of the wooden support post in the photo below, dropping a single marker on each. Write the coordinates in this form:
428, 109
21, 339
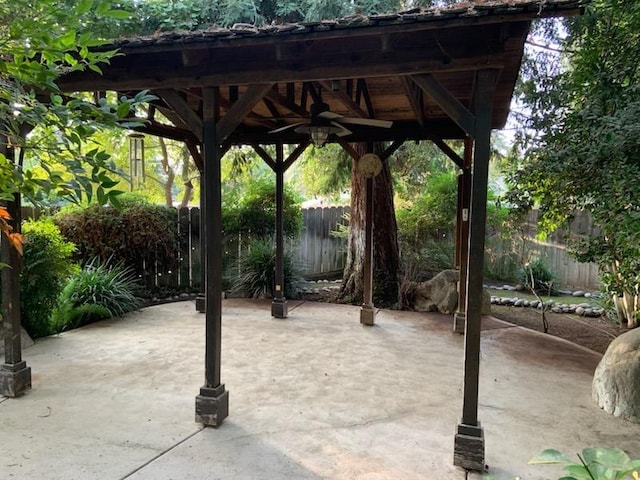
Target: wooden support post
201, 304
15, 376
212, 404
279, 304
469, 438
462, 245
367, 312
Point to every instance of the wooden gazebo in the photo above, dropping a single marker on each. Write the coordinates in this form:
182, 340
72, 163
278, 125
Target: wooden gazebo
437, 74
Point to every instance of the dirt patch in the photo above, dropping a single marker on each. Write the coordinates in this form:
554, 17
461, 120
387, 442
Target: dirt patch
593, 333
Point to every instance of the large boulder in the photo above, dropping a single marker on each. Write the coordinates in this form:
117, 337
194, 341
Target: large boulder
440, 294
616, 382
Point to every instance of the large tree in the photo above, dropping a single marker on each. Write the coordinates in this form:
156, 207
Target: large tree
581, 138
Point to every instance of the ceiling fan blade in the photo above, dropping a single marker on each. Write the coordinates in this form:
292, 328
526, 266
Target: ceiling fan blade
368, 122
327, 115
287, 127
343, 130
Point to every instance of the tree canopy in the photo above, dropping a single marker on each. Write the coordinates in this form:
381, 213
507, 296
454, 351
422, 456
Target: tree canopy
581, 141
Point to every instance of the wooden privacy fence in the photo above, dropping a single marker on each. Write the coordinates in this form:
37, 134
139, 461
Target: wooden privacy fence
553, 251
321, 254
318, 252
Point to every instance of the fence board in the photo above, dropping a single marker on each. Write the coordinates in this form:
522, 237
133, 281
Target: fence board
195, 251
184, 251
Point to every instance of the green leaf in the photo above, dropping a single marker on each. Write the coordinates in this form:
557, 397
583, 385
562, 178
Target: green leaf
84, 6
123, 109
118, 14
68, 40
550, 456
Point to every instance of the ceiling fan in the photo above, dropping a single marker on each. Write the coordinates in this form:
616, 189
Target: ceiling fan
324, 122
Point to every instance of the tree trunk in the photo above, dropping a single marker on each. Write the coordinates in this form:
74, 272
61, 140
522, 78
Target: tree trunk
386, 258
168, 185
186, 181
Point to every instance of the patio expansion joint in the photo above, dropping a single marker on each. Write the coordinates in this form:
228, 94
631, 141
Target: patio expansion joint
161, 454
366, 423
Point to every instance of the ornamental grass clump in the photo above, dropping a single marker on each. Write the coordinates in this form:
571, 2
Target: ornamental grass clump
253, 275
99, 291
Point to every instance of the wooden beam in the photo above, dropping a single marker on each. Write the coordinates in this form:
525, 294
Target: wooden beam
288, 104
267, 122
448, 151
450, 104
373, 64
414, 95
240, 110
353, 107
293, 156
363, 90
196, 155
391, 149
179, 105
265, 156
167, 131
346, 146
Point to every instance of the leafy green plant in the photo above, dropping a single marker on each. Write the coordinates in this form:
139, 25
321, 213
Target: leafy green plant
46, 266
594, 464
536, 276
254, 273
254, 212
100, 290
136, 235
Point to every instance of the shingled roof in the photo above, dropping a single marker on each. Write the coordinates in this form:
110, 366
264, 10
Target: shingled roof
376, 66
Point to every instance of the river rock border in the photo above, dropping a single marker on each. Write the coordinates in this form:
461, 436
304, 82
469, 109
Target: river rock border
583, 309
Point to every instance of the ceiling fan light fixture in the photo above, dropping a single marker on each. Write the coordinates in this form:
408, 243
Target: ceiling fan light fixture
319, 131
319, 135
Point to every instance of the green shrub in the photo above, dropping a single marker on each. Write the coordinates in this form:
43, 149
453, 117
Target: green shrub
46, 266
136, 235
255, 212
537, 276
100, 290
253, 274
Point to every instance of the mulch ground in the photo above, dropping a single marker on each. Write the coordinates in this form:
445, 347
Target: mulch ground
593, 333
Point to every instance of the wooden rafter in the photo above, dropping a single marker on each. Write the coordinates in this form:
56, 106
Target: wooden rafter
362, 91
445, 100
448, 151
293, 156
240, 110
180, 107
353, 107
414, 95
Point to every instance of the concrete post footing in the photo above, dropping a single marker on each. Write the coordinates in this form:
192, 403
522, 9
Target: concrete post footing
367, 315
201, 304
212, 406
468, 450
15, 379
279, 308
459, 320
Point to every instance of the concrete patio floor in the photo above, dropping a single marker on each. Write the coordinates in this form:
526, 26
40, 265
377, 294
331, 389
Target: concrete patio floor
316, 395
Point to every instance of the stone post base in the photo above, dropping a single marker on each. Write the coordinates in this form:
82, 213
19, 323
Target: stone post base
201, 305
212, 406
367, 315
15, 379
468, 449
279, 308
459, 319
